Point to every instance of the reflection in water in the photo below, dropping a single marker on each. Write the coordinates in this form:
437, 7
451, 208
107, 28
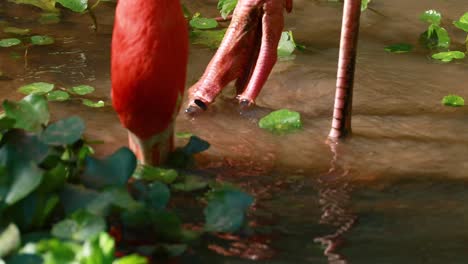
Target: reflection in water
334, 191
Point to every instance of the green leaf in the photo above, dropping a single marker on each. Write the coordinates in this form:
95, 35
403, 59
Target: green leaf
155, 195
183, 134
226, 7
150, 173
53, 250
17, 31
281, 121
54, 179
78, 6
76, 197
431, 16
82, 89
58, 96
226, 210
443, 37
453, 100
36, 88
42, 40
64, 132
167, 225
10, 240
208, 38
462, 23
98, 250
49, 18
90, 103
46, 5
195, 145
22, 147
6, 123
114, 170
399, 48
286, 45
112, 198
131, 259
190, 183
364, 4
448, 56
80, 226
25, 259
30, 113
9, 42
26, 178
202, 22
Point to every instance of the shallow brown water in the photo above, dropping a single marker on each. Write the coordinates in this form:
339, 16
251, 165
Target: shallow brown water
402, 176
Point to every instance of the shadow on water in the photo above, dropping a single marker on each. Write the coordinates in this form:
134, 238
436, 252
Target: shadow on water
394, 193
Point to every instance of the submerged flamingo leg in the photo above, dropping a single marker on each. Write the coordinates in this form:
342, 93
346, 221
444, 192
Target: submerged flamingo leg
341, 124
272, 26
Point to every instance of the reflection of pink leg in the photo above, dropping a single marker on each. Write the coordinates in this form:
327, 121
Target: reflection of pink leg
272, 26
341, 125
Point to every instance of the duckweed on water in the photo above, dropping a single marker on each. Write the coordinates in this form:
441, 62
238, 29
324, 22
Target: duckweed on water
281, 121
453, 100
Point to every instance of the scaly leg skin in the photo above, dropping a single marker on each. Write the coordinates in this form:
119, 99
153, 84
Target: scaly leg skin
341, 124
154, 150
247, 53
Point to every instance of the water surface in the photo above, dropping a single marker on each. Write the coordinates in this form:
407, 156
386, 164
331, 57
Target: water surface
394, 193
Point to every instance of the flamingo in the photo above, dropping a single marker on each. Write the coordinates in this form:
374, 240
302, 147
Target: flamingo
149, 61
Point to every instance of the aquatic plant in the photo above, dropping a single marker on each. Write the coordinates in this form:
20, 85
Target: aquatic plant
60, 204
435, 37
62, 94
462, 24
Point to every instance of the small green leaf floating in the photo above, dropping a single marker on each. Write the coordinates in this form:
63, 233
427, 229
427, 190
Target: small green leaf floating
399, 48
364, 4
42, 40
453, 100
431, 16
83, 89
286, 45
90, 103
183, 135
78, 6
36, 88
9, 42
462, 23
49, 18
58, 96
203, 23
448, 56
17, 31
225, 7
281, 121
64, 132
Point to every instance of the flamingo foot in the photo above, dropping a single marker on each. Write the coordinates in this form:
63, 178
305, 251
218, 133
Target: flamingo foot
247, 54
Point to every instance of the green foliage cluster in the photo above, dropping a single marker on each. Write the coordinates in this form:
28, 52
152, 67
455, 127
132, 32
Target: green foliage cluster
435, 37
58, 203
52, 94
